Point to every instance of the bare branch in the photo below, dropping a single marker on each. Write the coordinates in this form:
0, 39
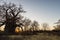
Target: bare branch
2, 24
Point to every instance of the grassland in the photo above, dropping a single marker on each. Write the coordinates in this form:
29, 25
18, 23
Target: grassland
39, 36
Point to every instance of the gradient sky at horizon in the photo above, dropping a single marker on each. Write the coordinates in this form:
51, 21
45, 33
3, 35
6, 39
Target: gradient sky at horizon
40, 10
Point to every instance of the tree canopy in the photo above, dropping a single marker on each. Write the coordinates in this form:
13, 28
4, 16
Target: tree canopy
10, 16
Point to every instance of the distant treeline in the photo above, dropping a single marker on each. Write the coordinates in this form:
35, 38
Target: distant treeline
10, 16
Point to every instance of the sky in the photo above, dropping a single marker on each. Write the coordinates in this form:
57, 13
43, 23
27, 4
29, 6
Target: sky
40, 10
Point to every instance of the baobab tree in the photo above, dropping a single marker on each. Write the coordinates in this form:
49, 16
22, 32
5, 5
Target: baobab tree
10, 16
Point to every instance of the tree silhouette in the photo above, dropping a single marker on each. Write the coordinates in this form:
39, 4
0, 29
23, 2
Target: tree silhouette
26, 23
34, 26
57, 27
10, 16
45, 26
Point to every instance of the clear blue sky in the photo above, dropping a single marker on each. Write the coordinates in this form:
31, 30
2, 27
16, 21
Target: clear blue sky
40, 10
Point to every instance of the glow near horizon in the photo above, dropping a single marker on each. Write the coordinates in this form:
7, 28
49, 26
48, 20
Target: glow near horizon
40, 10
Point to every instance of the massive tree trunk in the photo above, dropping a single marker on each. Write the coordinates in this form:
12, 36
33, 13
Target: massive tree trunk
10, 27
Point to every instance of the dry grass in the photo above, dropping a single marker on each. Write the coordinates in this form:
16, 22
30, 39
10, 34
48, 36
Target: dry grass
40, 36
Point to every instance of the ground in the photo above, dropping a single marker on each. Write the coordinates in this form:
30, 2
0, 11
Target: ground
39, 36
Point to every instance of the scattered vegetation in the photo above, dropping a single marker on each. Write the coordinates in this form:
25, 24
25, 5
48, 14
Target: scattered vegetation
22, 28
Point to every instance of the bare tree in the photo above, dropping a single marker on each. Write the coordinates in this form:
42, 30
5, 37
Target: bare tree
57, 27
45, 26
10, 16
26, 23
34, 26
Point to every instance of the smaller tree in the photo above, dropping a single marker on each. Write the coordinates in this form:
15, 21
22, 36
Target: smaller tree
57, 27
26, 23
45, 26
34, 26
